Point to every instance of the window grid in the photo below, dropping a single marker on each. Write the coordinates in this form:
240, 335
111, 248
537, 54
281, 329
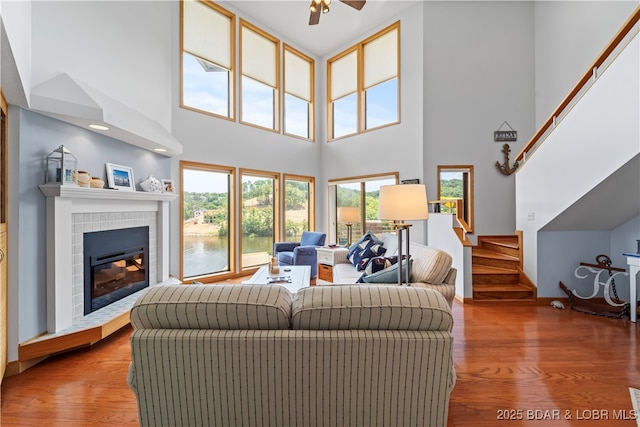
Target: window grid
362, 111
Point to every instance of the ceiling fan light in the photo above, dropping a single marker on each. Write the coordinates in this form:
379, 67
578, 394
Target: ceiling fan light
326, 2
312, 7
325, 8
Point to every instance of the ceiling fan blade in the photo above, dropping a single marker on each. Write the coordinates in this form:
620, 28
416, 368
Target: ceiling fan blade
356, 4
314, 17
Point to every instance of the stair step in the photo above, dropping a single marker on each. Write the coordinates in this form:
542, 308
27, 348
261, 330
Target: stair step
485, 257
503, 292
503, 249
488, 269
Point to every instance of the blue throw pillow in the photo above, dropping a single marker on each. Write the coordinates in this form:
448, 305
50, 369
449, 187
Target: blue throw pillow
360, 258
358, 244
388, 275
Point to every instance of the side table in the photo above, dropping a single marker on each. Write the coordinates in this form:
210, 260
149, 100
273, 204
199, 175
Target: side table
327, 258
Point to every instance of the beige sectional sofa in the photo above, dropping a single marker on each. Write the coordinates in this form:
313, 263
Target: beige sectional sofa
256, 355
430, 267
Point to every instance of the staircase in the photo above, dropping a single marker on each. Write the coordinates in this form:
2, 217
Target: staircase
497, 273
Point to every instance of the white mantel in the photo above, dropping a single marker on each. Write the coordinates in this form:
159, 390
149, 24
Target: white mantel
98, 209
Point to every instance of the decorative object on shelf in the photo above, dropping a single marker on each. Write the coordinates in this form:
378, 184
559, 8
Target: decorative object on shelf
61, 167
504, 168
83, 178
167, 185
96, 182
505, 135
348, 215
404, 202
120, 177
152, 185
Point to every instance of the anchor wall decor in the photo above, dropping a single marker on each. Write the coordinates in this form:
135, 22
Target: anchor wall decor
504, 168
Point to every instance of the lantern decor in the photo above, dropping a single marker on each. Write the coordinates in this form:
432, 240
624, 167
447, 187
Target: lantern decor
61, 168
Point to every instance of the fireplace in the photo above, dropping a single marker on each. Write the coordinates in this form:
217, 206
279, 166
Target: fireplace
115, 265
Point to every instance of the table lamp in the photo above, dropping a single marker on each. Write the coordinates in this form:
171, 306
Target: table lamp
404, 202
348, 215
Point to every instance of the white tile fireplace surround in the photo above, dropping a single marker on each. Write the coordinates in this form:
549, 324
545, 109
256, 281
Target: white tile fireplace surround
73, 211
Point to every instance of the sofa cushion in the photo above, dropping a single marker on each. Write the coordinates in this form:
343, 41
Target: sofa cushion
430, 265
212, 307
370, 307
390, 242
388, 275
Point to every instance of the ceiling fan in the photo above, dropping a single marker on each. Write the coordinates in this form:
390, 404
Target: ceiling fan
322, 6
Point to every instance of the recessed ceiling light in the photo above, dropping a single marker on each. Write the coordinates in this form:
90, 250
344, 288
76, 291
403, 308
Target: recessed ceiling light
98, 127
160, 150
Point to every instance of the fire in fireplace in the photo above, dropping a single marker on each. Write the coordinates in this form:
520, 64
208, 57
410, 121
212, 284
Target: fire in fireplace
115, 265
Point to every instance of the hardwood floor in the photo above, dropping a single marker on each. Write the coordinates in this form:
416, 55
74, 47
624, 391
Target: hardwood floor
508, 357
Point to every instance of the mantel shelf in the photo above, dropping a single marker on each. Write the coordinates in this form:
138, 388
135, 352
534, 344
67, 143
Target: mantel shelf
72, 192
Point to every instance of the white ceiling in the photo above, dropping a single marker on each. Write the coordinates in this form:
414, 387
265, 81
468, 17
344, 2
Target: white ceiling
343, 24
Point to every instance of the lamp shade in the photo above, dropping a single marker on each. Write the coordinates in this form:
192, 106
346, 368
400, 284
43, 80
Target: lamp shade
348, 214
404, 202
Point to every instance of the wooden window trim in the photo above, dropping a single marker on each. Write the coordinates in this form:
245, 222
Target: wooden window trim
184, 164
361, 113
312, 114
276, 98
312, 198
232, 71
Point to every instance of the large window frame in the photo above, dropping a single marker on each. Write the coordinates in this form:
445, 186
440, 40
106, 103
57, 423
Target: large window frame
245, 265
230, 67
344, 81
311, 205
337, 232
258, 74
231, 220
300, 93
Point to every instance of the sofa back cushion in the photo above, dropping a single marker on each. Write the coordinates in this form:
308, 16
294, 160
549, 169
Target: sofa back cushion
212, 307
372, 307
430, 265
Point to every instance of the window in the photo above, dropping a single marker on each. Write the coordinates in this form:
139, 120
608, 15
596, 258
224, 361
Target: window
363, 85
298, 93
363, 194
260, 216
206, 240
260, 59
299, 206
455, 191
208, 52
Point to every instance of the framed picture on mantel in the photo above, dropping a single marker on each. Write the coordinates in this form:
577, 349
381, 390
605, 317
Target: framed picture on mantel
120, 177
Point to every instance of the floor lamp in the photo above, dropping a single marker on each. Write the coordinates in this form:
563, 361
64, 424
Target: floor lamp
404, 202
348, 215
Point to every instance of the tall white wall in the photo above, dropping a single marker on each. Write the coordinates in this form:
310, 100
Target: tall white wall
15, 51
569, 36
478, 73
570, 162
122, 48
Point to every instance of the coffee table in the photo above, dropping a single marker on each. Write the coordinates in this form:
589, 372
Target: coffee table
297, 277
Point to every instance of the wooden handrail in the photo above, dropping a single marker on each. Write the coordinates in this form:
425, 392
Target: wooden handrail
613, 44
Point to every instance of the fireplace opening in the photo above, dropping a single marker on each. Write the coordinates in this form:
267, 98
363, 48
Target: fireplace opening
115, 265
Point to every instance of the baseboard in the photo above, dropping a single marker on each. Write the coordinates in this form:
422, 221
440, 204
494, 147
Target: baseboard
17, 367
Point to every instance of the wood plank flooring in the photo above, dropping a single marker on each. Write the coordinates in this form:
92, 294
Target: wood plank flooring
508, 358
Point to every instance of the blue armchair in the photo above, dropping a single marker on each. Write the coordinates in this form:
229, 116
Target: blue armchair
302, 252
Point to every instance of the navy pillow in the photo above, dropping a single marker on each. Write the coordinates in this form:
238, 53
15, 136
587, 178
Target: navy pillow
358, 245
360, 258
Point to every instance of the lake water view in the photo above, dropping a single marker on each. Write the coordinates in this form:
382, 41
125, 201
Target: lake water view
206, 254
